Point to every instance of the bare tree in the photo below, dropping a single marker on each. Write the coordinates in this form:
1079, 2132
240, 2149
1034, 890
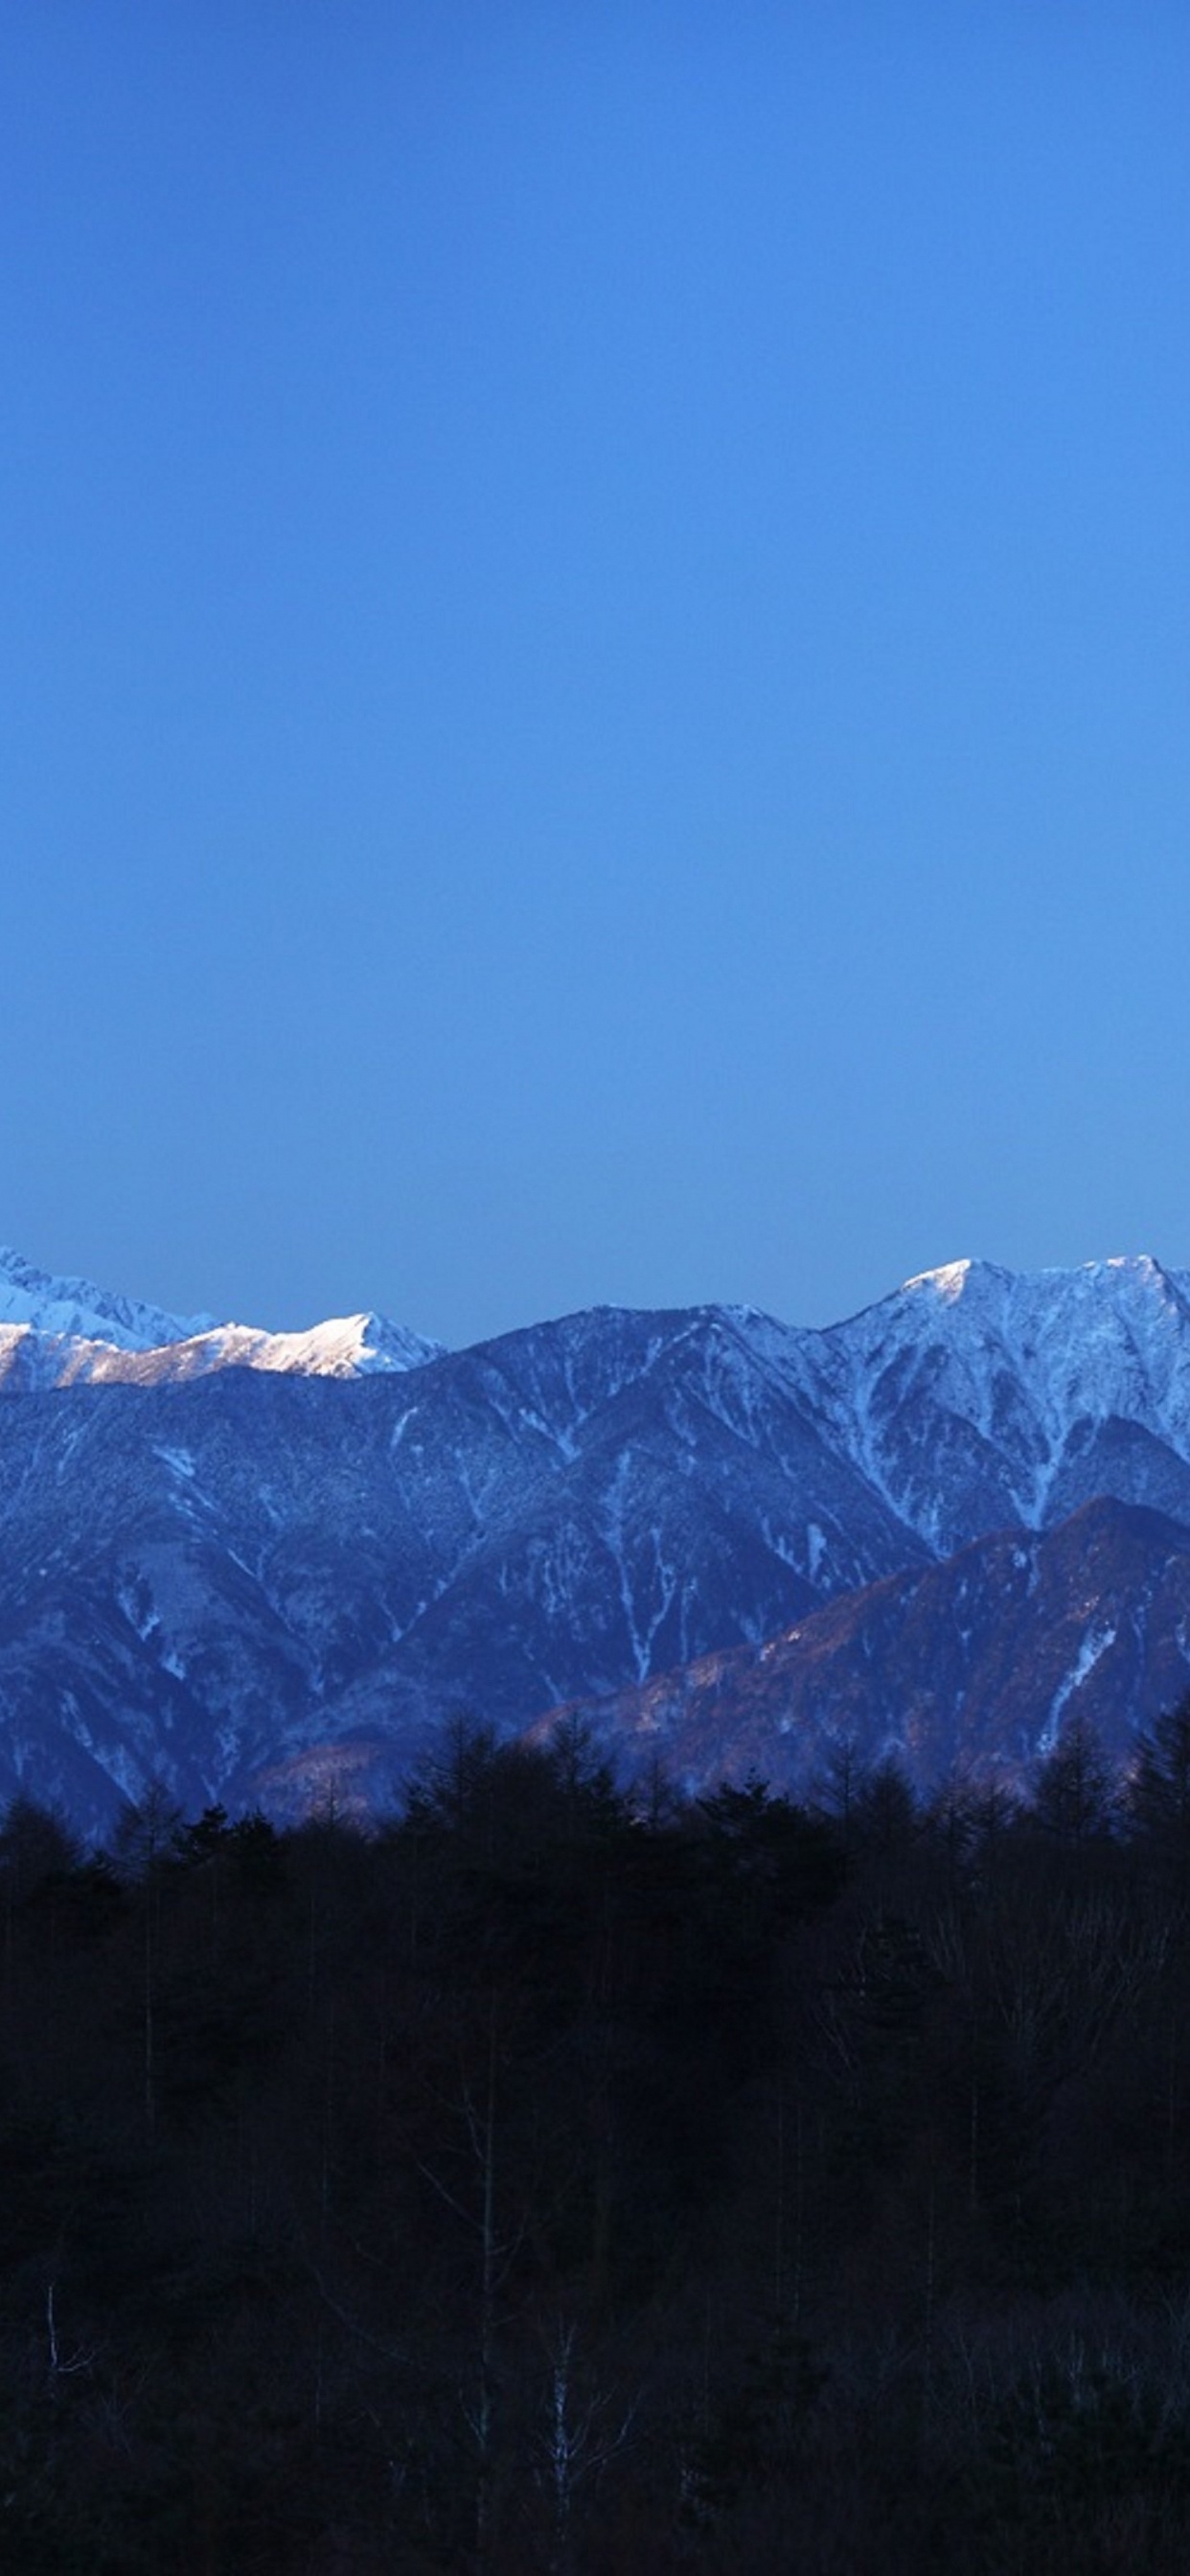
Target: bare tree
584, 2427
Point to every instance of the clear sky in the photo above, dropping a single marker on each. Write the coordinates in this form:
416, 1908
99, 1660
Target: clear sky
594, 648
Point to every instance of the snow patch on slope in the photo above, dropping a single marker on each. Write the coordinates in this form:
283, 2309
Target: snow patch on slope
1094, 1644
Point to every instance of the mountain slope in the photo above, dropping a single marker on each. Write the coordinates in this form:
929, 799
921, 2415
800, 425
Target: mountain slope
972, 1664
221, 1549
295, 1556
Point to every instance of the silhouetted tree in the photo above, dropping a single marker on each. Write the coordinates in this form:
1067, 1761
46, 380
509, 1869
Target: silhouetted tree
1156, 1796
1072, 1787
884, 1814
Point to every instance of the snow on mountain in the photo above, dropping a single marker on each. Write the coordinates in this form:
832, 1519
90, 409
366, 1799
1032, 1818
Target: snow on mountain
274, 1559
344, 1346
62, 1332
974, 1396
238, 1557
76, 1310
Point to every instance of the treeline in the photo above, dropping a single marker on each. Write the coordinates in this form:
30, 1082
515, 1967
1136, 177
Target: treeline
544, 2180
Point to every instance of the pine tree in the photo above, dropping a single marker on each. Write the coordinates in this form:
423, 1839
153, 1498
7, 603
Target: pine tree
1072, 1787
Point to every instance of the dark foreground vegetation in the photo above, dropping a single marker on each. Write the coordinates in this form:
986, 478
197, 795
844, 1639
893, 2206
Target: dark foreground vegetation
538, 2184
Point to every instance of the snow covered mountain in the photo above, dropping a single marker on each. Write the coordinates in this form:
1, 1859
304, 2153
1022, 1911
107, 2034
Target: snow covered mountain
975, 1396
55, 1332
76, 1310
251, 1562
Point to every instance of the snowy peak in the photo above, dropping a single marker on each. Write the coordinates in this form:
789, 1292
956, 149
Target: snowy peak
979, 1285
77, 1310
1125, 1279
974, 1395
1112, 1337
344, 1346
946, 1283
58, 1332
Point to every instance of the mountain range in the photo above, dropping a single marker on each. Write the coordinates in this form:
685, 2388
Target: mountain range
264, 1567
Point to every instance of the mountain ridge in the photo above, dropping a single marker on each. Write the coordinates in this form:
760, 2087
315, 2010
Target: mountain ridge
59, 1332
220, 1558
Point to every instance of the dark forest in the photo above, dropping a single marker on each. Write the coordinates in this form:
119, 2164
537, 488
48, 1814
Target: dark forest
543, 2180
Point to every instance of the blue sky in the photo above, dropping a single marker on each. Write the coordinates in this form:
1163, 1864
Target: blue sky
593, 648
